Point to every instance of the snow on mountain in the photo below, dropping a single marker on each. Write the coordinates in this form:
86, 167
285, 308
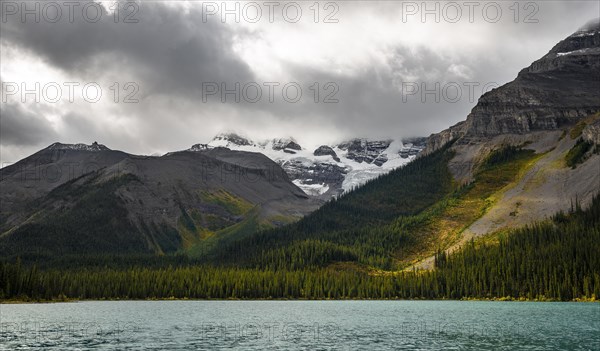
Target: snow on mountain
78, 147
284, 144
311, 189
328, 170
230, 140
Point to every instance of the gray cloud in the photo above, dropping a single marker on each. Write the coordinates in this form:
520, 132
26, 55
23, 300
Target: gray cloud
171, 51
23, 128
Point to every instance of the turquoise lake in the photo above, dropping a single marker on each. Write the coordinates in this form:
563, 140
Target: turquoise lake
300, 325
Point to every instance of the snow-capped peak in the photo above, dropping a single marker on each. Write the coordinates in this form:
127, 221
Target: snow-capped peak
230, 140
285, 143
327, 170
79, 147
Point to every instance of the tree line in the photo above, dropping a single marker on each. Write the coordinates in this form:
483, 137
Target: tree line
556, 259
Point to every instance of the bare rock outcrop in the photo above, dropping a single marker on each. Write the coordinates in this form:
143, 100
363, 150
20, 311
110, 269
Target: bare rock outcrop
557, 90
591, 132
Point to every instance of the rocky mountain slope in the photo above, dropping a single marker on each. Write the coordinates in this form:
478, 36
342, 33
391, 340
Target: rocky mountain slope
328, 170
552, 94
78, 198
88, 198
552, 108
36, 175
557, 90
528, 151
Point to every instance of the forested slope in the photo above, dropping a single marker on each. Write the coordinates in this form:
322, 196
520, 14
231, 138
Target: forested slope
557, 259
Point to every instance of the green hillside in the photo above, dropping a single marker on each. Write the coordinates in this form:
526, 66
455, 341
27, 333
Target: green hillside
357, 246
556, 260
90, 217
387, 224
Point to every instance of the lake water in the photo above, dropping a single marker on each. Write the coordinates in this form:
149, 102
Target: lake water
300, 325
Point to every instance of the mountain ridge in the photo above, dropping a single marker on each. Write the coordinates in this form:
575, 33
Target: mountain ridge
229, 206
527, 151
328, 170
150, 204
533, 101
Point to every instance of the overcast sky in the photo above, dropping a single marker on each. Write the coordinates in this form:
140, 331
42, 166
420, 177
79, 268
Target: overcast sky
161, 68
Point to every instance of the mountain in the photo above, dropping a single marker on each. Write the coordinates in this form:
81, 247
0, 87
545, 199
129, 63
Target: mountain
528, 150
328, 170
503, 205
80, 198
551, 108
557, 90
553, 94
36, 175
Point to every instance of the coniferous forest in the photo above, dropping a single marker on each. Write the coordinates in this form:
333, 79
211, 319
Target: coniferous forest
348, 249
557, 260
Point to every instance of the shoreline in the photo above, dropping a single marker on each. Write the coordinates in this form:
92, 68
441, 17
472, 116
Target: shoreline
502, 299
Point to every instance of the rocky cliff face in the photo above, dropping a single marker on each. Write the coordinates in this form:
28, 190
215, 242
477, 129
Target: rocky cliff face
325, 150
284, 144
558, 89
436, 141
79, 147
231, 139
362, 150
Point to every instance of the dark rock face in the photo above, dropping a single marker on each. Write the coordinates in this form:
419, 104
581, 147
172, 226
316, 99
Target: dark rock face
380, 160
416, 142
199, 147
79, 147
282, 144
325, 150
316, 173
292, 145
233, 139
413, 146
361, 150
559, 89
436, 141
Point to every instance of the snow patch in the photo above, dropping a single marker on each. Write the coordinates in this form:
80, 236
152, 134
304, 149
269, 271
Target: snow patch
584, 34
79, 147
575, 52
311, 189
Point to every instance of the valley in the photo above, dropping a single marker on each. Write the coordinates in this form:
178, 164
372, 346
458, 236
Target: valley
503, 205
